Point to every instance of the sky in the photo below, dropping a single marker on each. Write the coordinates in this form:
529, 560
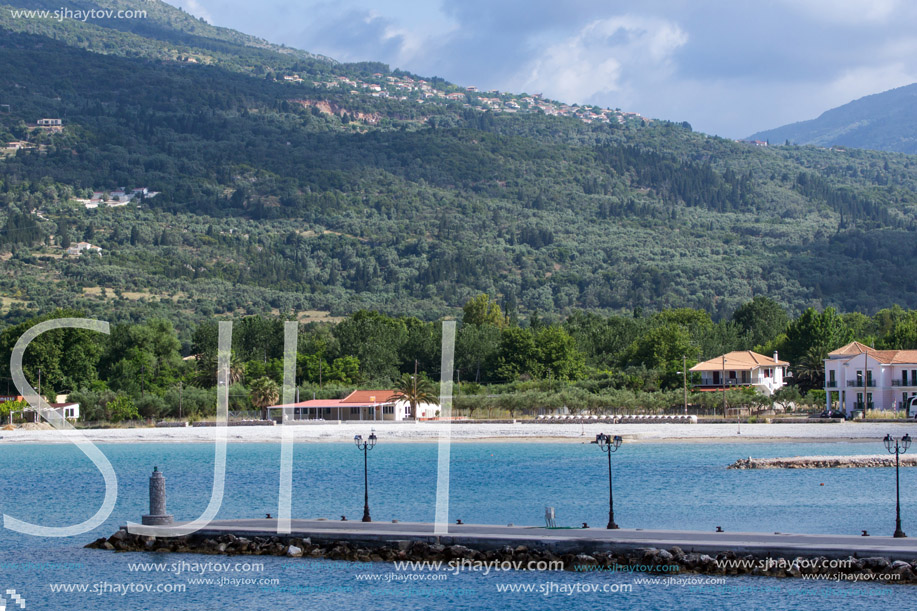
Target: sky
728, 67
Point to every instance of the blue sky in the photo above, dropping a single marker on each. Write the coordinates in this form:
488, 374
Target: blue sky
729, 67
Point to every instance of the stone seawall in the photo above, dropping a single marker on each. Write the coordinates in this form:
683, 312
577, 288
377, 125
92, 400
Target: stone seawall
651, 560
822, 462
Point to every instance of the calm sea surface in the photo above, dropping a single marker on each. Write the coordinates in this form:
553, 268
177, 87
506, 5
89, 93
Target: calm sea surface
676, 486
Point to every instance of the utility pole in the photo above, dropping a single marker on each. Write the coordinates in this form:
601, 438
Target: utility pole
684, 370
724, 387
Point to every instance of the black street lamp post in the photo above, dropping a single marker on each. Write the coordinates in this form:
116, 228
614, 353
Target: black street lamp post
609, 444
366, 446
900, 447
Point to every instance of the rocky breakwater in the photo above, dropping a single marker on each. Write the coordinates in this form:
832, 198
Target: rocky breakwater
673, 561
823, 462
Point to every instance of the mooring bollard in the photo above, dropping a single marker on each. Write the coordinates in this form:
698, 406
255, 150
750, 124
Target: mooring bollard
157, 515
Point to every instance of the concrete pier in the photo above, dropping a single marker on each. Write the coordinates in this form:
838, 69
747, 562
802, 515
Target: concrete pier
575, 540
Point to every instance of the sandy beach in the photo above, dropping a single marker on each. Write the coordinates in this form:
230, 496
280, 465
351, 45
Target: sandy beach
472, 432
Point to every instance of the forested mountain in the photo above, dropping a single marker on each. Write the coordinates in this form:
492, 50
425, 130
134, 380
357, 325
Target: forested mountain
293, 184
884, 121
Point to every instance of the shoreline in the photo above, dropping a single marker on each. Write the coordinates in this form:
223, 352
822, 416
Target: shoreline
427, 432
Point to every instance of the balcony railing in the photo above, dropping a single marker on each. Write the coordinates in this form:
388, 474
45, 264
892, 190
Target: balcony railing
904, 382
859, 405
831, 384
855, 384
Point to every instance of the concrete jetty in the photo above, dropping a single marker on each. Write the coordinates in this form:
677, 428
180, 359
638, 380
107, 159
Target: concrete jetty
834, 557
823, 462
574, 540
857, 558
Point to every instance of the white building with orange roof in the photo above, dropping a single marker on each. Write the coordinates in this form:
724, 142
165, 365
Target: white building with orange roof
742, 368
858, 376
359, 405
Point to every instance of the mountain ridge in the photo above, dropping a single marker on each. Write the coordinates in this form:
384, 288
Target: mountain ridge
281, 193
884, 121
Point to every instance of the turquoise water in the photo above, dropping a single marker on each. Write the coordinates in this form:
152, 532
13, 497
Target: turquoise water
678, 486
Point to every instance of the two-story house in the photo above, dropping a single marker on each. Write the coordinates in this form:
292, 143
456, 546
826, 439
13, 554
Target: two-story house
742, 368
858, 376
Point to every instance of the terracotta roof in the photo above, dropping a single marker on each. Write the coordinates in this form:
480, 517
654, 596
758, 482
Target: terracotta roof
852, 349
368, 397
740, 360
886, 357
311, 403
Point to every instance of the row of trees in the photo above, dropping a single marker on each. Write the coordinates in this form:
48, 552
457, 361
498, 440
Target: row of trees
139, 369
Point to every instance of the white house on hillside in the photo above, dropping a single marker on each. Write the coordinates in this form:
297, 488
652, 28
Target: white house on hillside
742, 368
882, 379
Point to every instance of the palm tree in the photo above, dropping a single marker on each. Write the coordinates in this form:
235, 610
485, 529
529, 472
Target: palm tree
811, 368
264, 392
414, 390
207, 369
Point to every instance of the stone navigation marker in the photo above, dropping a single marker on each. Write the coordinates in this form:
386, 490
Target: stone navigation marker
157, 515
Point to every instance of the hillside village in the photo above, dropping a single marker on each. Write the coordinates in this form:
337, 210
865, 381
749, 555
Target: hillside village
406, 88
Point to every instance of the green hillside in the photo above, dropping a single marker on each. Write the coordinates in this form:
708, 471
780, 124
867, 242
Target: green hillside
884, 122
291, 183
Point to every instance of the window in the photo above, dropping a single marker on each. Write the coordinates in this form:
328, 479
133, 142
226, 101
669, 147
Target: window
388, 409
859, 377
354, 411
904, 377
831, 376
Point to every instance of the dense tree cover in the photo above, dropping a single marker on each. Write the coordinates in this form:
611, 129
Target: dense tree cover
584, 360
588, 262
269, 205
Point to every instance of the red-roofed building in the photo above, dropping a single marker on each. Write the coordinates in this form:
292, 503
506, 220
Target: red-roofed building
742, 368
67, 410
858, 376
358, 405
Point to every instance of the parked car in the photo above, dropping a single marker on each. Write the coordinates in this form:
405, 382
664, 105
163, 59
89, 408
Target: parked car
833, 413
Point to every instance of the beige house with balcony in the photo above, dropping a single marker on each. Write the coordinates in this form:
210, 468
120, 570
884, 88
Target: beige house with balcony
742, 369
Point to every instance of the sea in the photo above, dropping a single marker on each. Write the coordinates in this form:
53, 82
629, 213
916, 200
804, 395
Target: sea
683, 486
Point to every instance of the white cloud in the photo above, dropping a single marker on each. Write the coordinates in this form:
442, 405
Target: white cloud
611, 55
195, 8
